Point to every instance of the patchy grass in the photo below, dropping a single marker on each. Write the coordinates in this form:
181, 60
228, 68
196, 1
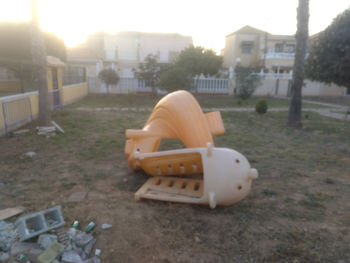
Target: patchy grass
340, 100
206, 101
298, 209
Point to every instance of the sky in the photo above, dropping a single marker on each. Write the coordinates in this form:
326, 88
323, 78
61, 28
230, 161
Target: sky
207, 21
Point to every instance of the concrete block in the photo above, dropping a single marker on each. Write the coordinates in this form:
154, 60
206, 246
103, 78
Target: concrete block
71, 257
62, 235
88, 247
81, 239
37, 223
51, 253
93, 260
31, 250
4, 257
8, 235
45, 240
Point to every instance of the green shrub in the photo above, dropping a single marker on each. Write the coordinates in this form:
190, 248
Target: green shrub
175, 78
261, 106
239, 101
246, 81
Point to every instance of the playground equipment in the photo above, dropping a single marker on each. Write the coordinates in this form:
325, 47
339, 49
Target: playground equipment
227, 174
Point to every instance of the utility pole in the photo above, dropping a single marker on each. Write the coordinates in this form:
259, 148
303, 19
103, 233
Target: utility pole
39, 64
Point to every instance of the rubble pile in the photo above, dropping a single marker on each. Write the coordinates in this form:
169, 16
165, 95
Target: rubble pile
56, 244
49, 131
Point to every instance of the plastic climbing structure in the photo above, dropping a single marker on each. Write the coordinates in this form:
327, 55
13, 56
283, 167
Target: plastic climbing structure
197, 174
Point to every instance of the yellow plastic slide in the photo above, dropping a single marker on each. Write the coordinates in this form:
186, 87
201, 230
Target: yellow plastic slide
176, 116
226, 173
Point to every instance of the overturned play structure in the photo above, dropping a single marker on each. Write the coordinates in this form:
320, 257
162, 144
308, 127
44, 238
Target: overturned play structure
227, 175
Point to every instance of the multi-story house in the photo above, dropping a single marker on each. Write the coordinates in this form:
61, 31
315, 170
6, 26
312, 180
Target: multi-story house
125, 50
251, 47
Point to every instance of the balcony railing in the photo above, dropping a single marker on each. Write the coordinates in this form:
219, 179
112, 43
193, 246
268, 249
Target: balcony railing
278, 55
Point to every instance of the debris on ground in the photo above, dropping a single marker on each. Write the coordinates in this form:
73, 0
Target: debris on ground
62, 236
93, 260
4, 256
197, 239
8, 235
45, 240
106, 226
77, 197
89, 227
97, 252
48, 131
31, 250
51, 253
10, 212
36, 237
76, 224
30, 154
57, 127
71, 257
40, 222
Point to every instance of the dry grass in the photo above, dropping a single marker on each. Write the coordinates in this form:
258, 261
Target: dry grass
298, 209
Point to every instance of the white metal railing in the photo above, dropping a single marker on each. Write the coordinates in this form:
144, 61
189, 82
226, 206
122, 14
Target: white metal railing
126, 85
202, 85
275, 75
278, 55
211, 85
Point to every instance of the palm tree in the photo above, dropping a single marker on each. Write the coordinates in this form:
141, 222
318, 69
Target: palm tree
39, 64
294, 114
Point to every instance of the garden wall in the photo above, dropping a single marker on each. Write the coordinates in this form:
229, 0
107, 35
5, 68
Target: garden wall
17, 110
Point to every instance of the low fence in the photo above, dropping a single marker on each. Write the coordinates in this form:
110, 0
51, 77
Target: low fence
73, 93
18, 110
272, 84
212, 86
133, 85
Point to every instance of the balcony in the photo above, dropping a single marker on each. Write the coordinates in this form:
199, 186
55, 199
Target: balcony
273, 53
278, 55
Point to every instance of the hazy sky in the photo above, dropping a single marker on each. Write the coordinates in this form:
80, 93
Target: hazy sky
207, 21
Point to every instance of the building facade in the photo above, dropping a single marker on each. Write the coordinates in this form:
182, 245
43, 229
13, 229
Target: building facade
125, 50
251, 47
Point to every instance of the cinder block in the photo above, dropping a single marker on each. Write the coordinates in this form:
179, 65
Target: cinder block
37, 223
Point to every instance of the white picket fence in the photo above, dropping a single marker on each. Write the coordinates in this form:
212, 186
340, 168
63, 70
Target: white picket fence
212, 86
132, 85
272, 84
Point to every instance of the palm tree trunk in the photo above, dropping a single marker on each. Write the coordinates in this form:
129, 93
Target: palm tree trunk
39, 64
294, 114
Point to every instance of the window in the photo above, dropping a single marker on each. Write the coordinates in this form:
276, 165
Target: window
73, 75
246, 47
290, 48
278, 48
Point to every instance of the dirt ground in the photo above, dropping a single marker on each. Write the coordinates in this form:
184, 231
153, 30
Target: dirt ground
298, 209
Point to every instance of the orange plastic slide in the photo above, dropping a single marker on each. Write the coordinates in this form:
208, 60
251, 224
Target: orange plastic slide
227, 174
176, 116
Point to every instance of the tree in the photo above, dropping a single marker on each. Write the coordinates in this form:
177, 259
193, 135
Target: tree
109, 77
16, 53
294, 113
15, 42
198, 60
149, 71
175, 78
329, 59
246, 81
39, 64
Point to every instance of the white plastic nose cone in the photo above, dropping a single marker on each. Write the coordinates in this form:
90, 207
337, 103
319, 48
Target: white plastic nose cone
253, 174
